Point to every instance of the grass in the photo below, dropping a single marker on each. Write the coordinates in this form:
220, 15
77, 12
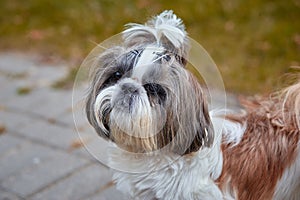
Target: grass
254, 43
66, 82
23, 90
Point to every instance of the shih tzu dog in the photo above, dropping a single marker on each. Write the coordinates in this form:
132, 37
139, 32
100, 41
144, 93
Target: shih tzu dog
144, 100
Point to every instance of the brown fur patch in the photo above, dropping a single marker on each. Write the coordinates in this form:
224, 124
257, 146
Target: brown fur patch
268, 147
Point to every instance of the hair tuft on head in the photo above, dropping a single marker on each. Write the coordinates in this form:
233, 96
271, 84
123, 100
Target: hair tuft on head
165, 25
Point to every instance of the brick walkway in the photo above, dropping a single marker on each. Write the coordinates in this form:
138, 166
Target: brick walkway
40, 157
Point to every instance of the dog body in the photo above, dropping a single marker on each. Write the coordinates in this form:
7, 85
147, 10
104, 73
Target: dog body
144, 100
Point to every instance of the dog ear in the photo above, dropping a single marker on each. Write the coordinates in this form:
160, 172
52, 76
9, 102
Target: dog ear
165, 30
98, 70
195, 129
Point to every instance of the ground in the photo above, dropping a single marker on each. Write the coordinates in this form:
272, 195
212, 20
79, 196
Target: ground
41, 156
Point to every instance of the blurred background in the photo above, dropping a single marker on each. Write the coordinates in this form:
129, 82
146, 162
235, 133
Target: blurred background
254, 43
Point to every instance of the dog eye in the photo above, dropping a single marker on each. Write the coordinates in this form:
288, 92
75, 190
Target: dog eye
113, 78
155, 90
117, 75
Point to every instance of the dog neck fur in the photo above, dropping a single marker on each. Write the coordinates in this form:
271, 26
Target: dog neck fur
197, 170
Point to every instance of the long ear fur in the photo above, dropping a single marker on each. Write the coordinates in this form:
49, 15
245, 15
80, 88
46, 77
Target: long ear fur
165, 30
204, 135
194, 128
101, 63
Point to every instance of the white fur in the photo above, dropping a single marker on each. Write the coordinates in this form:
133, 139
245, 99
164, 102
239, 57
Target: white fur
148, 55
103, 102
185, 178
289, 185
228, 192
146, 59
167, 24
231, 131
167, 177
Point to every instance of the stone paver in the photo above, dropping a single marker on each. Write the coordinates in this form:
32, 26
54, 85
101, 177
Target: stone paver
22, 155
9, 142
14, 120
8, 91
42, 173
40, 157
108, 194
15, 63
5, 195
45, 102
81, 184
49, 133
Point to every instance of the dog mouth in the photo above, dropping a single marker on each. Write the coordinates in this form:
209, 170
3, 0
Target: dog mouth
131, 102
128, 98
132, 108
129, 94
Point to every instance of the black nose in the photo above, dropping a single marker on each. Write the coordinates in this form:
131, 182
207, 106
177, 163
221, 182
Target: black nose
128, 95
129, 88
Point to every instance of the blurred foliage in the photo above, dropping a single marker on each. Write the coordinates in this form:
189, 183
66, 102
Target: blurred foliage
253, 42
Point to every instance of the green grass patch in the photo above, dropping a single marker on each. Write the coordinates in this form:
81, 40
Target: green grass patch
254, 43
66, 82
23, 90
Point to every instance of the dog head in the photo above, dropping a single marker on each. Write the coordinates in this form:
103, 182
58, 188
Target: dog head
141, 95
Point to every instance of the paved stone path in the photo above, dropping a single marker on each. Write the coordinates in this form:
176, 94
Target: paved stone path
40, 153
41, 156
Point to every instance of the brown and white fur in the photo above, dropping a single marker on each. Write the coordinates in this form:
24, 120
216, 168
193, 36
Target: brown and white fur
144, 100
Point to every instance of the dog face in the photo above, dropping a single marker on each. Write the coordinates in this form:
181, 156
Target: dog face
142, 97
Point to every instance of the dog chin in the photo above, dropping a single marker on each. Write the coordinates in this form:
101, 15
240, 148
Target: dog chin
133, 121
